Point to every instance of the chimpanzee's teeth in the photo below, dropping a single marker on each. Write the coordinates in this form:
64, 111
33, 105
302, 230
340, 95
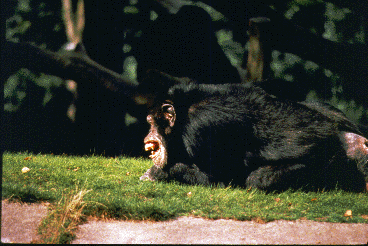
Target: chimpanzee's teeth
153, 154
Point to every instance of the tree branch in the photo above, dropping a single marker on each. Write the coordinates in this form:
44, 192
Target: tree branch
66, 64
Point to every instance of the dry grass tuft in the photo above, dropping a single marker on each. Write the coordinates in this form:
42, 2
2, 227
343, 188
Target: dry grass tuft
60, 224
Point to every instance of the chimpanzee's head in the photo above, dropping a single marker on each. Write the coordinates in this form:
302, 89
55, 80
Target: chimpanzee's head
161, 120
162, 115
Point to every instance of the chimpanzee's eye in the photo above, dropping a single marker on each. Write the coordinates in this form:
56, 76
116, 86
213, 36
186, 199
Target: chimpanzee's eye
150, 119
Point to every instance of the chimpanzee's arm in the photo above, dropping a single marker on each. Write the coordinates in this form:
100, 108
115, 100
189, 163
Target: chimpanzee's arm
154, 174
188, 174
180, 172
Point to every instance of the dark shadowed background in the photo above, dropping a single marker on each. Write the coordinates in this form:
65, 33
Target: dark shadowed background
44, 113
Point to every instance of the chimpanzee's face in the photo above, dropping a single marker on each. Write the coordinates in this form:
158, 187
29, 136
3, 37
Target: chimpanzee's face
162, 120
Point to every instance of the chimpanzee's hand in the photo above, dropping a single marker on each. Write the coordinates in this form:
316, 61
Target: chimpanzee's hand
190, 175
154, 174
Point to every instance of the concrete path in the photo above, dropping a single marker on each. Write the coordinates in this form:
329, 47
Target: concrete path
188, 230
19, 224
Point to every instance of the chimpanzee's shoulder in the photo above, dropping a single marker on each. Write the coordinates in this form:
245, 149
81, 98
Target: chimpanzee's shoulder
238, 94
217, 89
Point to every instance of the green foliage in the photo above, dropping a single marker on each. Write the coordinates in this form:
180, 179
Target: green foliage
233, 50
215, 15
37, 21
18, 85
334, 22
131, 10
115, 191
40, 21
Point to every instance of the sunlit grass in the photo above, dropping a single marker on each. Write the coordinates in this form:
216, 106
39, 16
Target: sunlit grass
115, 191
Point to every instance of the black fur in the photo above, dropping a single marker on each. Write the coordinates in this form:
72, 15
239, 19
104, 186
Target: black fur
240, 135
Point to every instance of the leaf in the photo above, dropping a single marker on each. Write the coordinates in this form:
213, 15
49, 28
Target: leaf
348, 213
364, 216
25, 170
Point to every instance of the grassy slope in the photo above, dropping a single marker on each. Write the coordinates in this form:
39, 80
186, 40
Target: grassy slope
117, 192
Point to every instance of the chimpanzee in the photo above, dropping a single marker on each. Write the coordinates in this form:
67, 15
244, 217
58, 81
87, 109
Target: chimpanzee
239, 135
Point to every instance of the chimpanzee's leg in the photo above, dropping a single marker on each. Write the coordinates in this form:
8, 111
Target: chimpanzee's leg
279, 177
329, 176
188, 174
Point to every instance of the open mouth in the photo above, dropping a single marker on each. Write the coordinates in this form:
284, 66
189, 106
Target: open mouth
153, 147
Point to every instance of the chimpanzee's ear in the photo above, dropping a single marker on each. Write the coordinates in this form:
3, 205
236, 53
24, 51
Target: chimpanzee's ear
169, 113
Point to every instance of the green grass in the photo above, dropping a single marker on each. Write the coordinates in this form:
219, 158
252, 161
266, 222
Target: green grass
115, 191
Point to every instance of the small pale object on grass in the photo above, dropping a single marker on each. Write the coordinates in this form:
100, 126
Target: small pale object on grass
25, 170
348, 213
